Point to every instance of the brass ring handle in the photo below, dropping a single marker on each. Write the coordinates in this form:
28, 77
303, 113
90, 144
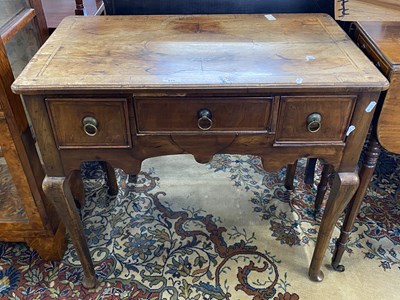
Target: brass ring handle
90, 126
204, 119
314, 122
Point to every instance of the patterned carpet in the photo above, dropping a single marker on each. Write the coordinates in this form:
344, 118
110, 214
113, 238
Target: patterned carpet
223, 230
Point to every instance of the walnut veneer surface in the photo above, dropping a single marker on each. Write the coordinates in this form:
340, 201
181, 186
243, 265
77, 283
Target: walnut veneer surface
123, 89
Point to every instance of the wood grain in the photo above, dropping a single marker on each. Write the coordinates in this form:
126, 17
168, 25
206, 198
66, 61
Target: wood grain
214, 51
180, 114
389, 118
335, 113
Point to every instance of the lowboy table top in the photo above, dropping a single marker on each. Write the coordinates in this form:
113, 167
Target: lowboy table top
135, 52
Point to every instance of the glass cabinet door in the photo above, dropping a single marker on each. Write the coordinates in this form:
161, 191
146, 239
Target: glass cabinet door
22, 30
10, 8
11, 207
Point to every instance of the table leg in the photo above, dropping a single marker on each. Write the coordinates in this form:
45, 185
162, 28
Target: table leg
58, 189
110, 178
343, 189
366, 172
310, 171
290, 173
322, 186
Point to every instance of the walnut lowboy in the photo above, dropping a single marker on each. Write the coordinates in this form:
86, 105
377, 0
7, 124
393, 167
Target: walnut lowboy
123, 89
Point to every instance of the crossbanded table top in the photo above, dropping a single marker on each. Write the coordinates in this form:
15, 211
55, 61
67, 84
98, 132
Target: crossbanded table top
191, 51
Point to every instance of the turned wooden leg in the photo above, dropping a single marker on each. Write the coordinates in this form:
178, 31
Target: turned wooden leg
290, 172
343, 189
59, 191
310, 171
366, 173
322, 186
111, 179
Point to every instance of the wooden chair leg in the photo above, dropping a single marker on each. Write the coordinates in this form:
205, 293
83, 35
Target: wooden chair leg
366, 173
290, 172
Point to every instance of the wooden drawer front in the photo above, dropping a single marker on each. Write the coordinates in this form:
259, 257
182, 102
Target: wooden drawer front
181, 114
335, 112
111, 115
372, 54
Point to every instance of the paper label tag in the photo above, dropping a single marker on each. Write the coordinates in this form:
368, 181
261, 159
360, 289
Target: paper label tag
350, 130
310, 58
370, 106
270, 17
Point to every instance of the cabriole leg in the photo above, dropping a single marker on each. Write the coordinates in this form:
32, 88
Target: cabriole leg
343, 189
366, 173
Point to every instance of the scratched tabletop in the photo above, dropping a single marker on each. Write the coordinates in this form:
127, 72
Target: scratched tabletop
135, 52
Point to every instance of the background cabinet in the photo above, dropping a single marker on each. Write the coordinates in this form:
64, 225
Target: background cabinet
25, 213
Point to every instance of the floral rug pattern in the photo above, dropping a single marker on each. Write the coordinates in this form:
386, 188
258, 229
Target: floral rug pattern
168, 238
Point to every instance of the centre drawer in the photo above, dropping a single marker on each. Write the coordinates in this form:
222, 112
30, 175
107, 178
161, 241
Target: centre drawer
89, 123
215, 114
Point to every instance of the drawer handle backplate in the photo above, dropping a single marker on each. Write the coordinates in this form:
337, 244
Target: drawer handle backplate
314, 122
90, 126
204, 119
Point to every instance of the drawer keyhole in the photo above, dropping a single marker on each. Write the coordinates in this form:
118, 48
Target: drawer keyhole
314, 122
90, 126
204, 119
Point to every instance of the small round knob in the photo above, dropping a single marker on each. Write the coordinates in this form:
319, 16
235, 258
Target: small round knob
90, 126
314, 122
204, 119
